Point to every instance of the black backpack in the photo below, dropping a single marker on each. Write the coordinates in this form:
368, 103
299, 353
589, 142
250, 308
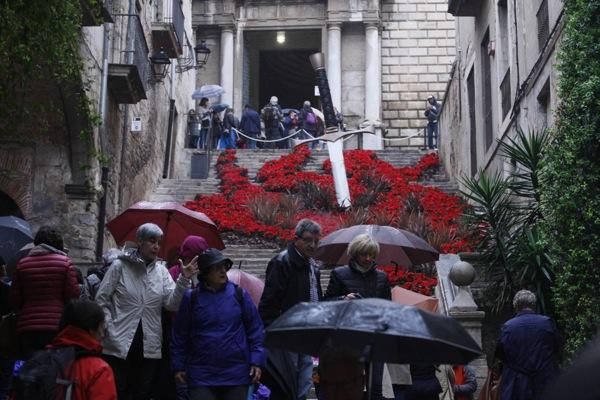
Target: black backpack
47, 375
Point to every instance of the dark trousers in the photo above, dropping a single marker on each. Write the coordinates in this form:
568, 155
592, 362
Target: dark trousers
135, 375
432, 135
219, 393
376, 380
33, 341
273, 134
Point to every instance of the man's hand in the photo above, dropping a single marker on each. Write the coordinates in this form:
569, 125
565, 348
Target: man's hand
352, 296
180, 377
255, 373
189, 270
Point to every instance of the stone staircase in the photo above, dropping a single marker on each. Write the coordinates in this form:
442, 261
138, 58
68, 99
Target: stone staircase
254, 260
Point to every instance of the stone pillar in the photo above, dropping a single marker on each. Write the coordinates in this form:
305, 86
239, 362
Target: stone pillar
372, 73
334, 62
227, 51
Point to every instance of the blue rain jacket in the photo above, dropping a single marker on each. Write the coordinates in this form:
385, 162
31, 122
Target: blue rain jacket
217, 341
528, 346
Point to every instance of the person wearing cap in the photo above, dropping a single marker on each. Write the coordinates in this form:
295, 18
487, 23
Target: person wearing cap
132, 294
272, 116
432, 112
217, 345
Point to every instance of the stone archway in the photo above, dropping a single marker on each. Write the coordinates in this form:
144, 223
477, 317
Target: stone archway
16, 168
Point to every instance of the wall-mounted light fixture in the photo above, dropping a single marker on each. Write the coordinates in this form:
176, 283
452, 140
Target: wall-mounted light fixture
160, 64
202, 53
281, 37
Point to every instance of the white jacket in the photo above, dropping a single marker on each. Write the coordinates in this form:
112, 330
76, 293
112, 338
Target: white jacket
131, 291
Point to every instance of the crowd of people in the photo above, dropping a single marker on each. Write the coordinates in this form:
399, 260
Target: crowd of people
272, 127
142, 330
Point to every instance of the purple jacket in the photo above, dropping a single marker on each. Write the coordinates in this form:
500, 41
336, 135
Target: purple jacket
217, 341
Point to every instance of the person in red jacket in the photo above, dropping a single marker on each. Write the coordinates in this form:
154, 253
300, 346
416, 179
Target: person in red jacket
83, 326
43, 282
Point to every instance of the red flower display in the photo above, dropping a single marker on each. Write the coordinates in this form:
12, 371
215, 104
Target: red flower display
374, 184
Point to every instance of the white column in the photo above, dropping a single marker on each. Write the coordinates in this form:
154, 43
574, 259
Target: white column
334, 63
372, 73
227, 51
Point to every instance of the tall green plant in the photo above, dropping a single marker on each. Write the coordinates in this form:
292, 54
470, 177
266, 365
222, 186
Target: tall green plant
506, 212
570, 194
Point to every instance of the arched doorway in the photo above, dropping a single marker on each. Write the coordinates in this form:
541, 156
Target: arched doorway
8, 206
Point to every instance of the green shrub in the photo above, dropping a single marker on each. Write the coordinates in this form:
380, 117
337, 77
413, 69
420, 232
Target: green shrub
570, 200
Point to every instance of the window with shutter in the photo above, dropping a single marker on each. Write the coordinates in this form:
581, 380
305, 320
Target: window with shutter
543, 24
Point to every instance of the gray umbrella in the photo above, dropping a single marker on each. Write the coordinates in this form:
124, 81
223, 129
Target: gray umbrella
396, 246
208, 91
380, 329
14, 234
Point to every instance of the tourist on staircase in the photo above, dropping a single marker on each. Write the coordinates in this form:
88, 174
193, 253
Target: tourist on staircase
132, 294
292, 277
273, 117
217, 344
250, 125
360, 279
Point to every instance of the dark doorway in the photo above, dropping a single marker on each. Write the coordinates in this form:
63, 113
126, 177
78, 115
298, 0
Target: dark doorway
288, 75
8, 206
472, 121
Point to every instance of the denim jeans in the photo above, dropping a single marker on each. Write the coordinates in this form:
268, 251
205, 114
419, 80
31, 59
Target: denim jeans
304, 367
432, 134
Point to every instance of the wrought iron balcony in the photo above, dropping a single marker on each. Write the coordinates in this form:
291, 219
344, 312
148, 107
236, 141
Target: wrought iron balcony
168, 29
464, 8
130, 71
95, 13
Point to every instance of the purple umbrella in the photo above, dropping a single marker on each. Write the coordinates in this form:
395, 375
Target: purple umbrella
396, 246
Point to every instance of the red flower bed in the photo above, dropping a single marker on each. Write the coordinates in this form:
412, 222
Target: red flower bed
375, 185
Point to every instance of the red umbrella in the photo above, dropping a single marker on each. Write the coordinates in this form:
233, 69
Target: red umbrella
253, 284
176, 221
396, 246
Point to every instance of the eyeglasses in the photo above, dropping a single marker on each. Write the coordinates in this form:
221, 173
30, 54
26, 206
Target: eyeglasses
309, 240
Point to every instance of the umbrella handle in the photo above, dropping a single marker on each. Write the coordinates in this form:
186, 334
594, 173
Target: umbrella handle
240, 265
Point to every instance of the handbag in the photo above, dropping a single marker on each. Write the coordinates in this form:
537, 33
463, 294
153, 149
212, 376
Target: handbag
9, 344
491, 387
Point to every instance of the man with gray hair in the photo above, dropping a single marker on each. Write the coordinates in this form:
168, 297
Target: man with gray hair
292, 277
529, 347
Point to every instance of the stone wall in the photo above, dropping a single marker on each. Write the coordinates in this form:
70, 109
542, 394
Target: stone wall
417, 49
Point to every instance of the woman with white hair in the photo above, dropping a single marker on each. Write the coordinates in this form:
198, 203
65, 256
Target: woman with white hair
132, 294
360, 279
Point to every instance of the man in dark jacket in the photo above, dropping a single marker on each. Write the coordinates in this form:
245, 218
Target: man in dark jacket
250, 125
293, 277
360, 279
432, 112
528, 346
272, 116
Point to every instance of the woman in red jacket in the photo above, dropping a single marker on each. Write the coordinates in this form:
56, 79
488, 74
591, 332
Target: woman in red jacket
43, 282
83, 327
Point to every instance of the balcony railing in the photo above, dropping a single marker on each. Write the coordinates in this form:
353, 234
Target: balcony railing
168, 29
130, 70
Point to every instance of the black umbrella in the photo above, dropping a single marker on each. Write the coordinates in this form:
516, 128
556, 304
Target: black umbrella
380, 329
396, 246
14, 234
280, 375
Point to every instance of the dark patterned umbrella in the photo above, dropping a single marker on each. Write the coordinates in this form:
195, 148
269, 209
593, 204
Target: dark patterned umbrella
14, 234
396, 246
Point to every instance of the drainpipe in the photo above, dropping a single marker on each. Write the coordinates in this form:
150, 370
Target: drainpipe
170, 127
102, 137
124, 128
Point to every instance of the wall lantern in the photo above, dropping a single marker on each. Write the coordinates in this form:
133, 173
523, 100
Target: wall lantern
160, 64
281, 37
202, 53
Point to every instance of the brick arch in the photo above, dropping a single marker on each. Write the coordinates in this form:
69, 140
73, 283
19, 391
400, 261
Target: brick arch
15, 176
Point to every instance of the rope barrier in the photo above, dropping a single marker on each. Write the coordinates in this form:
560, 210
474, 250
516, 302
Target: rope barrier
271, 140
402, 138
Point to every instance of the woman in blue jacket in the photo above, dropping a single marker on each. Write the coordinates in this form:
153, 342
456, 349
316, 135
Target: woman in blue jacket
217, 344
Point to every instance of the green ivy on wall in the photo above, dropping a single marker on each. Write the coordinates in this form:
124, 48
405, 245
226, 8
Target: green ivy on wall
571, 177
39, 56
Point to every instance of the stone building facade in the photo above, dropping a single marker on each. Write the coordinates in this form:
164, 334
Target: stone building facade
504, 77
384, 57
51, 176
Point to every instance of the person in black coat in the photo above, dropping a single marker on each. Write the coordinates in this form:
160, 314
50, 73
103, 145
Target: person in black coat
292, 277
250, 125
360, 279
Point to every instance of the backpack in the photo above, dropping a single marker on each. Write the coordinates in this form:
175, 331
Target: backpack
270, 114
92, 281
311, 119
47, 374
